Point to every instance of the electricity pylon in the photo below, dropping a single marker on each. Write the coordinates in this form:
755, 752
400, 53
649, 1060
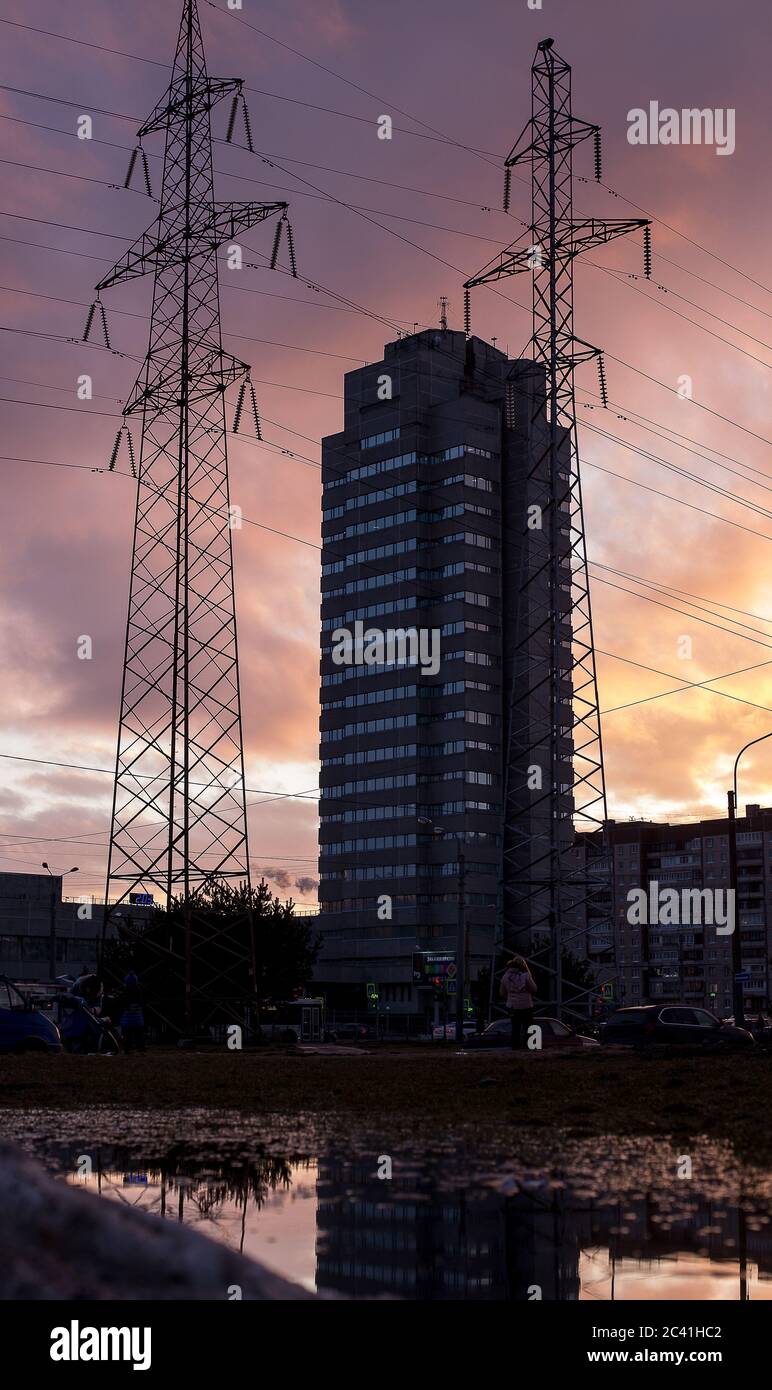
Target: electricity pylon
179, 806
556, 871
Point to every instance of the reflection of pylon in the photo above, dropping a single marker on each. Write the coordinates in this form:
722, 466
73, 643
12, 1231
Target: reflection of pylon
179, 806
554, 887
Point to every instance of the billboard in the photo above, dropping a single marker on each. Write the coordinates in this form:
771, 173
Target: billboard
430, 966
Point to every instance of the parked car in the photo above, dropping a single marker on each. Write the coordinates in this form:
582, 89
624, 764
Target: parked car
23, 1028
756, 1024
468, 1030
82, 1028
350, 1032
553, 1034
641, 1025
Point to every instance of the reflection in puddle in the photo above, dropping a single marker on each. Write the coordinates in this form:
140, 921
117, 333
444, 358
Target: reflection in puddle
604, 1221
267, 1214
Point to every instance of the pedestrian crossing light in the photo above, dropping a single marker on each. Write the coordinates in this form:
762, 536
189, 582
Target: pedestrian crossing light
372, 995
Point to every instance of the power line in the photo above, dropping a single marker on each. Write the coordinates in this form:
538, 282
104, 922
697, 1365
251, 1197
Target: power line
673, 467
684, 472
626, 277
614, 272
675, 438
621, 361
653, 299
110, 772
645, 598
487, 155
289, 159
628, 412
345, 204
688, 685
680, 501
131, 314
684, 593
735, 498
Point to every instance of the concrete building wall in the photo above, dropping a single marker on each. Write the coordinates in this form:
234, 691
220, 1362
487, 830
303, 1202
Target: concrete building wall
420, 515
27, 902
692, 962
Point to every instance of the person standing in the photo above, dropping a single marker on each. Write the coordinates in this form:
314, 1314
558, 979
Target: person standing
517, 990
132, 1014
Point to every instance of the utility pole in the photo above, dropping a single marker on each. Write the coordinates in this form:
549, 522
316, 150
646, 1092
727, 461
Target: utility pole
57, 881
179, 822
554, 784
437, 833
461, 944
56, 887
738, 1004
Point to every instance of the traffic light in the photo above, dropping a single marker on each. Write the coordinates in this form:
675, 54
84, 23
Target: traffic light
372, 996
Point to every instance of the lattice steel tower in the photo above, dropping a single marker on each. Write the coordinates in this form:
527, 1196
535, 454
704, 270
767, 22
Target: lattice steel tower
179, 809
554, 783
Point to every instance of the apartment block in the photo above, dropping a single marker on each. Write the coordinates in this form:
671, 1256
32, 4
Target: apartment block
424, 497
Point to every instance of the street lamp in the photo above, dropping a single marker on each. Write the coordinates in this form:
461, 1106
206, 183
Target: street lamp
737, 989
55, 878
437, 831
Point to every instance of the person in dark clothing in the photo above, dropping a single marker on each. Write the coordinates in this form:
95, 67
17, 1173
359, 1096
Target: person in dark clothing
517, 990
88, 987
132, 1019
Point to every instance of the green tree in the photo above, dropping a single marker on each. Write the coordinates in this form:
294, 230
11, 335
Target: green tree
207, 985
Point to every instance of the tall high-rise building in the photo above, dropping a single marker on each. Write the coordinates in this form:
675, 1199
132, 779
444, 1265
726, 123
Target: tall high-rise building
424, 543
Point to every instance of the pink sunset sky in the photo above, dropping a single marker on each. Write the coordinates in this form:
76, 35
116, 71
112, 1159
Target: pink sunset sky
422, 215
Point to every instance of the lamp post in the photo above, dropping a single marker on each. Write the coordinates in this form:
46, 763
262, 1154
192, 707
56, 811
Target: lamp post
437, 831
55, 879
738, 1005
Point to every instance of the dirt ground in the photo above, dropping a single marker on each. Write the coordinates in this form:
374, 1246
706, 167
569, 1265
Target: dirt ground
581, 1094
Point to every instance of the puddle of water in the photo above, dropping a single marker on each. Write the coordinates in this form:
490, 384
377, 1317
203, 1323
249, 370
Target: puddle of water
610, 1219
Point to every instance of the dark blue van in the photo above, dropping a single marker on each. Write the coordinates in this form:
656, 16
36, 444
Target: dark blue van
24, 1028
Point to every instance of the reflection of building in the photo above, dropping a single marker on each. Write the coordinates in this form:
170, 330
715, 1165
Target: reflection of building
648, 1234
438, 1242
425, 1239
29, 905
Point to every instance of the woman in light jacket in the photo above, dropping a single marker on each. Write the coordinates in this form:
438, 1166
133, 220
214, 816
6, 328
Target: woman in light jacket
517, 989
